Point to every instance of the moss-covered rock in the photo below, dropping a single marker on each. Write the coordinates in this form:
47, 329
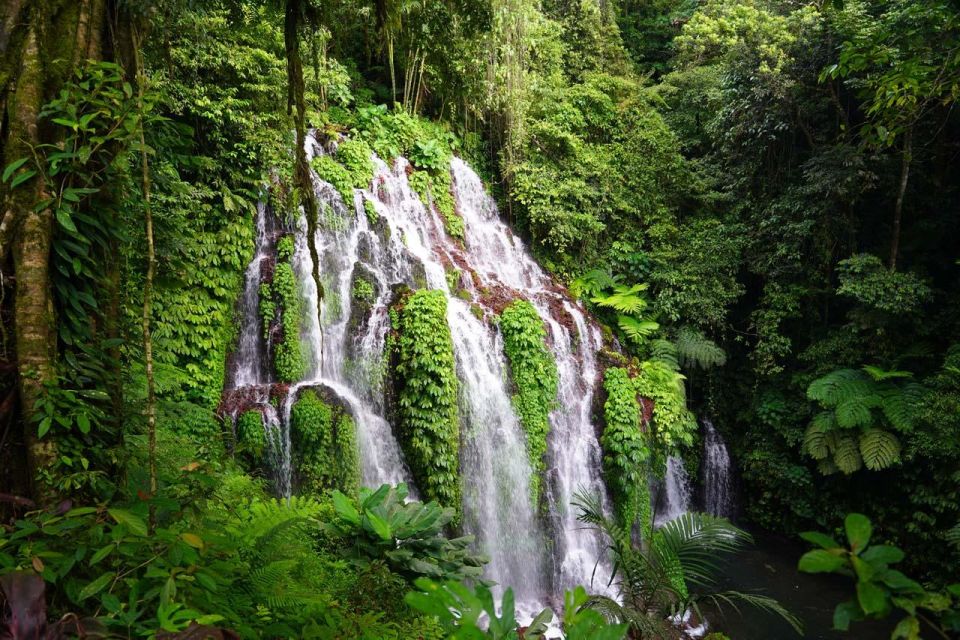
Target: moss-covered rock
323, 435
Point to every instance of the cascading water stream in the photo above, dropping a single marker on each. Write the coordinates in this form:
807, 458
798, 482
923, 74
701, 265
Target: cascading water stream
675, 493
403, 242
717, 482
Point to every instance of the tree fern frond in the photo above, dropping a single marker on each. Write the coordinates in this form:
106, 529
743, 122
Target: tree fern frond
624, 299
592, 283
880, 375
827, 467
846, 455
695, 348
637, 330
953, 535
879, 449
664, 351
899, 406
837, 386
852, 413
815, 441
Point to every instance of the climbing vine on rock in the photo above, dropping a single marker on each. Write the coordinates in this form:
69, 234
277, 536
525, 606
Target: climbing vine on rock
280, 303
351, 168
674, 424
534, 375
427, 400
324, 441
626, 451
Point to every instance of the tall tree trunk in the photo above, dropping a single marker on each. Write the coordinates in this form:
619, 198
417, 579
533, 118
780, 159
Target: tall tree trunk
36, 336
906, 158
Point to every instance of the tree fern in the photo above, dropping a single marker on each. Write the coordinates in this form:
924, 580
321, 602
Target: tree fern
879, 449
853, 412
592, 283
664, 351
879, 375
695, 348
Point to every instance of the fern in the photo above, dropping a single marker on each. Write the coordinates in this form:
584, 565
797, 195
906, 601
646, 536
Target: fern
953, 536
879, 449
695, 348
846, 455
852, 413
665, 352
624, 299
592, 283
636, 330
816, 439
879, 375
899, 406
837, 386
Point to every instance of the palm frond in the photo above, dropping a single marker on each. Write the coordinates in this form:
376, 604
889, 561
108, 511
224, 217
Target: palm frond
697, 540
764, 603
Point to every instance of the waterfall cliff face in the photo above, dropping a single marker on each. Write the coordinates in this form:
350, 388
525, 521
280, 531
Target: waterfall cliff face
387, 237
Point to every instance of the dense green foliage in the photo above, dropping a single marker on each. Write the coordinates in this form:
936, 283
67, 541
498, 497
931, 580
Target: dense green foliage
429, 423
755, 199
534, 376
324, 443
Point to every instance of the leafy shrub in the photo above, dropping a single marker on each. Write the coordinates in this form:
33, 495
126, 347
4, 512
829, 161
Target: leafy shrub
534, 375
879, 588
251, 439
675, 424
429, 424
284, 296
408, 536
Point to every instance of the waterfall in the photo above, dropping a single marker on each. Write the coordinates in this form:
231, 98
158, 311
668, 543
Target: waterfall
717, 494
675, 493
387, 237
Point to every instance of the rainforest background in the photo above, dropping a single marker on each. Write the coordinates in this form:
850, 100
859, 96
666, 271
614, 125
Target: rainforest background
782, 177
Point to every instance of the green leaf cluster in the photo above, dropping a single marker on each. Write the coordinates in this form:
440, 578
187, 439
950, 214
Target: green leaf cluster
382, 526
861, 411
534, 375
281, 304
880, 589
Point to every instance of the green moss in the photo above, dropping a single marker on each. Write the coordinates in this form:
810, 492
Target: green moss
626, 452
371, 210
534, 375
324, 440
427, 399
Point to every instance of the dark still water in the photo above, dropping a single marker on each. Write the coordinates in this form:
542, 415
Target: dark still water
770, 567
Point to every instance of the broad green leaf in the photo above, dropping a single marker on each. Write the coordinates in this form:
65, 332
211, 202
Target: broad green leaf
22, 177
345, 509
908, 628
858, 530
820, 561
820, 539
132, 522
95, 587
13, 166
872, 597
882, 554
